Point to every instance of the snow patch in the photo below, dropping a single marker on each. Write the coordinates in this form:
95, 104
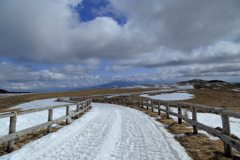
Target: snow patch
170, 96
38, 104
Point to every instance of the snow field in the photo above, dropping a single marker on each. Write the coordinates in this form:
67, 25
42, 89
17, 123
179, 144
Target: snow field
209, 119
3, 95
170, 96
164, 86
33, 119
38, 104
109, 132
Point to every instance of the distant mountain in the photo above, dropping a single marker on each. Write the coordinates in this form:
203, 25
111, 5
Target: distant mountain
202, 81
3, 91
115, 84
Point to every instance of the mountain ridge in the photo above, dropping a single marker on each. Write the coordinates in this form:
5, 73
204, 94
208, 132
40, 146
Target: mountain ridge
114, 84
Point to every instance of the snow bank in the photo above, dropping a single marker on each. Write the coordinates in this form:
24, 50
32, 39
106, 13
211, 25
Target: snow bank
38, 104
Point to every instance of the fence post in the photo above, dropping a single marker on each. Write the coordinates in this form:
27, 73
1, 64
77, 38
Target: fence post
138, 103
80, 106
159, 111
50, 118
132, 102
227, 131
77, 109
12, 129
142, 103
152, 104
167, 108
67, 113
180, 113
194, 117
147, 103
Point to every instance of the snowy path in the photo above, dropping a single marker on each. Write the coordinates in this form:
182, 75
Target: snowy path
107, 132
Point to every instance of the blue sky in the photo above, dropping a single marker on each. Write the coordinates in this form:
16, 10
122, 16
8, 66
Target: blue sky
52, 45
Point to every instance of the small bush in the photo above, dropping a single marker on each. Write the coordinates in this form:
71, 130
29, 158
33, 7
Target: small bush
199, 86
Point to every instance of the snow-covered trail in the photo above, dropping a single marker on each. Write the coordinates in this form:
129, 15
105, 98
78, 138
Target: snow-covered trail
107, 132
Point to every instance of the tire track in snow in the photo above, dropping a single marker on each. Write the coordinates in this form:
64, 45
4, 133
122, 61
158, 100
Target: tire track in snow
93, 139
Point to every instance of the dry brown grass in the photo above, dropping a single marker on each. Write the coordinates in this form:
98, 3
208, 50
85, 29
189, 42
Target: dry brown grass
8, 102
222, 98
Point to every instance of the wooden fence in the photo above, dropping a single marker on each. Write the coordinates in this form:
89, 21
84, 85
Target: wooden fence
225, 136
10, 138
77, 98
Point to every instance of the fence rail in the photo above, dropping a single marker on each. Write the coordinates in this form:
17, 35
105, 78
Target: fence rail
10, 138
76, 98
225, 136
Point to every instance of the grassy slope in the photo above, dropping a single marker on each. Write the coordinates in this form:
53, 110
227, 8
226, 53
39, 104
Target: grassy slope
222, 98
11, 101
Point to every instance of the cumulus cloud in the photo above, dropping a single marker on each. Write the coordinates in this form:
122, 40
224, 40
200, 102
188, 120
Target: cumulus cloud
157, 34
88, 68
223, 71
51, 31
18, 73
219, 53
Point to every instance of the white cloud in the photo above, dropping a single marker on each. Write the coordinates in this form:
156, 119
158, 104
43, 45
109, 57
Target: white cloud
87, 68
209, 71
171, 36
219, 53
50, 32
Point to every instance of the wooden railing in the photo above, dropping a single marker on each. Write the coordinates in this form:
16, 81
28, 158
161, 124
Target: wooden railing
77, 98
225, 136
10, 138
